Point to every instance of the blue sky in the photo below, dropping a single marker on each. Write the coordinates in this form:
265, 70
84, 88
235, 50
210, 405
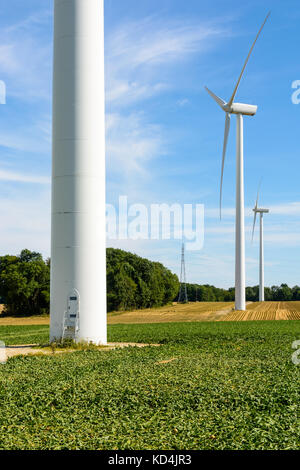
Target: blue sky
164, 133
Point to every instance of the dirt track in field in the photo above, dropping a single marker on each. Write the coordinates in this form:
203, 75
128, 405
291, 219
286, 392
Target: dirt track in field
266, 311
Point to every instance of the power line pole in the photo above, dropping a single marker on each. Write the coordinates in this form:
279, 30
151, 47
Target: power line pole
182, 298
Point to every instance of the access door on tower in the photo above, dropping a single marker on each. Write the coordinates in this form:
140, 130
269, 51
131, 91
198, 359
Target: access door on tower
71, 317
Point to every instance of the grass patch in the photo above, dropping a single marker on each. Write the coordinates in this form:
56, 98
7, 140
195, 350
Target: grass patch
27, 334
210, 386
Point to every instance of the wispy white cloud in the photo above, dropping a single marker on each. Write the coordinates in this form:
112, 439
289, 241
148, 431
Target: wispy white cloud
286, 239
214, 213
25, 66
141, 57
37, 19
136, 50
8, 60
23, 178
289, 208
131, 142
282, 235
32, 138
25, 224
27, 74
136, 54
211, 269
183, 102
220, 229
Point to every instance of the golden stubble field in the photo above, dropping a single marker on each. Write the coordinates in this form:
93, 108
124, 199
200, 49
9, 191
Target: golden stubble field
200, 311
192, 312
266, 311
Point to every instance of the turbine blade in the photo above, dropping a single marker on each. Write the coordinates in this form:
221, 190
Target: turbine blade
226, 133
216, 98
254, 225
246, 62
258, 193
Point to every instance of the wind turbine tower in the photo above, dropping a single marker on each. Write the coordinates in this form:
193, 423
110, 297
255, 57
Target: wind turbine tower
78, 268
240, 110
261, 212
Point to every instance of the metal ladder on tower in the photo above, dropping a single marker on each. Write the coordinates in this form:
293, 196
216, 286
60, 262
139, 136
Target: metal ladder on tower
71, 317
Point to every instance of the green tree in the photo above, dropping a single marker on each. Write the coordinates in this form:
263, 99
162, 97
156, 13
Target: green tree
135, 282
25, 283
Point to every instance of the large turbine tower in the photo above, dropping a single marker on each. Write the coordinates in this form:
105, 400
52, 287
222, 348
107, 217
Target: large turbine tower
78, 294
261, 212
240, 110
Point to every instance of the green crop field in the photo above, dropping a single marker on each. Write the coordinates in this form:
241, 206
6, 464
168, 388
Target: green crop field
212, 385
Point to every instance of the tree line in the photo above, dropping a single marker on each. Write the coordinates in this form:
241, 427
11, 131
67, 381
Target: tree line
132, 283
208, 293
25, 283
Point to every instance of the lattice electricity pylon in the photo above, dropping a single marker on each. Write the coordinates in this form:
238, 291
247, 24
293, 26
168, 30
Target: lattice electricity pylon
182, 298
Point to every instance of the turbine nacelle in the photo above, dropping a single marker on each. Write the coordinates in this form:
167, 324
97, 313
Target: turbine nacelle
261, 211
258, 210
241, 108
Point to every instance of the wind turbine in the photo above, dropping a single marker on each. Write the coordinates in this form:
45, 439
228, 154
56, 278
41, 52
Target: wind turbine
261, 212
240, 109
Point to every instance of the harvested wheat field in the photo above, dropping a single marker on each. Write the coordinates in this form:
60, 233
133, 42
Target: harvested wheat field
266, 311
20, 321
194, 311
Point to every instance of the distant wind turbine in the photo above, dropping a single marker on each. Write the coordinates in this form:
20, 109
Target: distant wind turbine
256, 211
240, 110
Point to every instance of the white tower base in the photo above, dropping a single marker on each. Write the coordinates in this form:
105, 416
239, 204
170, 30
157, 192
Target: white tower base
240, 301
261, 262
78, 171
